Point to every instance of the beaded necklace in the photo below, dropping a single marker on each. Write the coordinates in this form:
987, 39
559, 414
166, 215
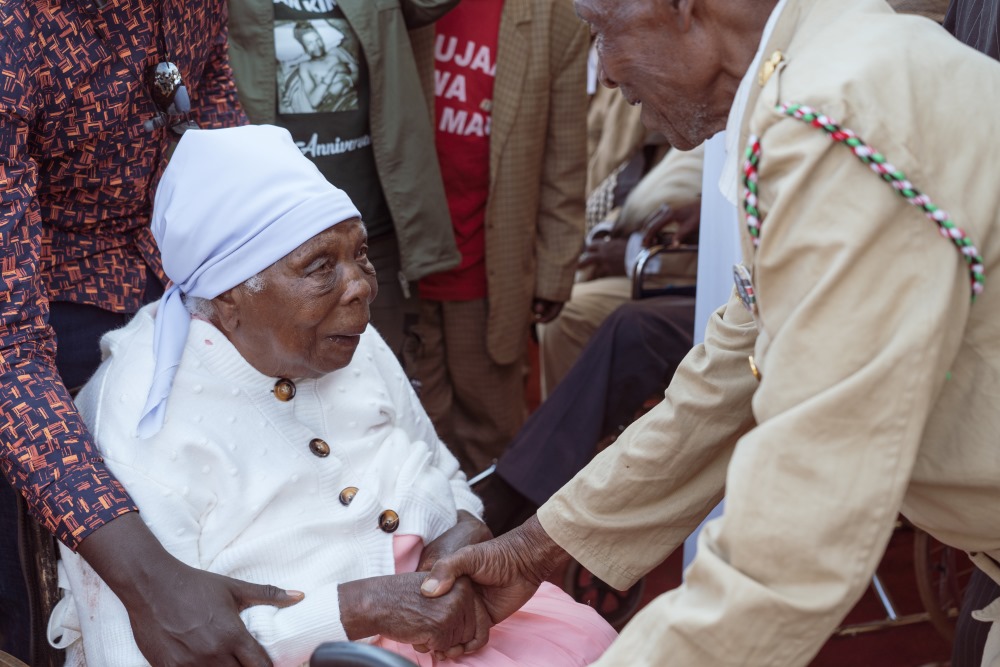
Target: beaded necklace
878, 164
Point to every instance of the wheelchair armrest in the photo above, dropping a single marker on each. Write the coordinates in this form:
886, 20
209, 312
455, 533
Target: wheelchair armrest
639, 273
349, 654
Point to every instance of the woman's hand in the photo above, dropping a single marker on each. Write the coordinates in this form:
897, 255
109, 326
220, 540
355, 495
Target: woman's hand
467, 530
392, 606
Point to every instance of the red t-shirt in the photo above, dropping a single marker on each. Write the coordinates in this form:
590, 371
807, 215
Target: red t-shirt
464, 70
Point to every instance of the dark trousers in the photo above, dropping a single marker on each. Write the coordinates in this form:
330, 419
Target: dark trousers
14, 626
631, 357
78, 333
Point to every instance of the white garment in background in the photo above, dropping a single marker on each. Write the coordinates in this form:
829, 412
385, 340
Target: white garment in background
718, 250
719, 204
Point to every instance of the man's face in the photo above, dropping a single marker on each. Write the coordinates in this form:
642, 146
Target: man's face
308, 318
647, 52
313, 44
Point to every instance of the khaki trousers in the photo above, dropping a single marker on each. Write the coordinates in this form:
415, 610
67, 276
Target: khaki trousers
476, 405
561, 340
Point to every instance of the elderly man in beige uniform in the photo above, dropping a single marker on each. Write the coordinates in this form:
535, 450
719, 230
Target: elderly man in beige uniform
854, 378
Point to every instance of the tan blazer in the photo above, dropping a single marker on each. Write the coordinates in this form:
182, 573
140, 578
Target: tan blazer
614, 133
534, 216
880, 381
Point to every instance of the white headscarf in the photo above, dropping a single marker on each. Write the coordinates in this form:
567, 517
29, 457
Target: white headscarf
230, 204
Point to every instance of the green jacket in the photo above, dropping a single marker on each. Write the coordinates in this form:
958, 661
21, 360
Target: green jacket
401, 117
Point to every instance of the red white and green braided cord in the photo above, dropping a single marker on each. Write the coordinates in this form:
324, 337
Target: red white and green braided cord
877, 163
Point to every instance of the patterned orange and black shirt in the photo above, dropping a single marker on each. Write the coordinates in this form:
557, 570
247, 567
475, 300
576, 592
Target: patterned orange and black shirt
77, 173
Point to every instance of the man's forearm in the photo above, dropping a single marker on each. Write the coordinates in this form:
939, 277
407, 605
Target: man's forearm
46, 452
129, 558
538, 553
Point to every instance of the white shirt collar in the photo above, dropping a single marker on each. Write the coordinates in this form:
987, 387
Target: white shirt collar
593, 67
730, 179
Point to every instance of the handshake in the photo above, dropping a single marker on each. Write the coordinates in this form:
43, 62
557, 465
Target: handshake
457, 622
458, 591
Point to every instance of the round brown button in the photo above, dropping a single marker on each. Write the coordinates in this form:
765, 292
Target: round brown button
284, 390
347, 495
319, 447
388, 521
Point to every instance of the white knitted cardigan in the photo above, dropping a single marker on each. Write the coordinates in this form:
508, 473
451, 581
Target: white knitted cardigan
230, 484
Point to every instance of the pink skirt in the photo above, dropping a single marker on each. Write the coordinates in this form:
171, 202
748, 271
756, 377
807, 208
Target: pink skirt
551, 630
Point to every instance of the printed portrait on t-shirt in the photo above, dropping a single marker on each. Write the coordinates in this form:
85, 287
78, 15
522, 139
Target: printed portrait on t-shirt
317, 65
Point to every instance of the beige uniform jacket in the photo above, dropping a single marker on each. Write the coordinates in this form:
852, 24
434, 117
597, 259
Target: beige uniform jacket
538, 143
881, 382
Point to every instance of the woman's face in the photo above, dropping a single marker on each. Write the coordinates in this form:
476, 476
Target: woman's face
308, 319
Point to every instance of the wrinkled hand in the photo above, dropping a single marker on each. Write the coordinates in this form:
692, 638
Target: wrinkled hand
180, 615
468, 530
544, 311
508, 569
604, 257
687, 217
393, 606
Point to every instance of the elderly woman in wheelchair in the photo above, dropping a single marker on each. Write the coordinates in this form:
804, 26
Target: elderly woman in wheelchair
266, 432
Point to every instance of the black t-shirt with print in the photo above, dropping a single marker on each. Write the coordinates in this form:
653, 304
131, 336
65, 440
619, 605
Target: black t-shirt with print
323, 100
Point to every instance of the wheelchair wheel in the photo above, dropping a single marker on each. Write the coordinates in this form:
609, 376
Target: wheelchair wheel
942, 576
616, 607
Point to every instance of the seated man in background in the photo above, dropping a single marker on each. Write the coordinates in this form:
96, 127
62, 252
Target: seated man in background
667, 201
267, 432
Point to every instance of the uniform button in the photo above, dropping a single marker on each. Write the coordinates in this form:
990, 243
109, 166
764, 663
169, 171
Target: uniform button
388, 521
319, 447
753, 368
347, 495
284, 390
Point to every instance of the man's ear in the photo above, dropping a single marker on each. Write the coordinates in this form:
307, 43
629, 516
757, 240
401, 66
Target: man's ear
227, 306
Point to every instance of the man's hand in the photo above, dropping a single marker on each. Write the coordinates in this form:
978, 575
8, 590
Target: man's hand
468, 530
180, 615
687, 217
508, 569
392, 606
544, 310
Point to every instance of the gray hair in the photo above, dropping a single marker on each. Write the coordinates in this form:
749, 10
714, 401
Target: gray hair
205, 309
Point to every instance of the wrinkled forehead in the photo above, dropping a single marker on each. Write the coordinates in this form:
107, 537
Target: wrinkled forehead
336, 237
617, 16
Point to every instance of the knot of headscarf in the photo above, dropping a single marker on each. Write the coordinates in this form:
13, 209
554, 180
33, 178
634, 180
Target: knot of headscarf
230, 204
